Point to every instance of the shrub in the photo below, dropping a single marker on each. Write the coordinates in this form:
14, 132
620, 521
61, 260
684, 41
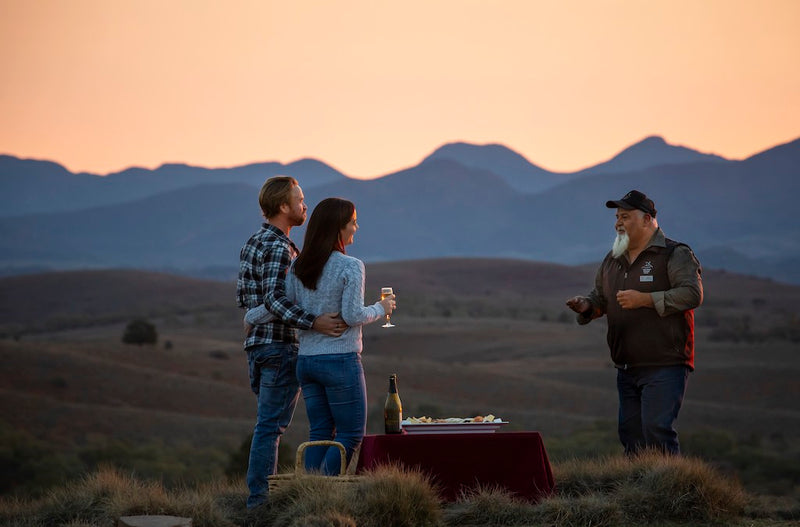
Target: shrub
29, 465
101, 498
654, 487
305, 498
594, 510
219, 355
489, 506
327, 519
394, 496
386, 497
140, 331
104, 496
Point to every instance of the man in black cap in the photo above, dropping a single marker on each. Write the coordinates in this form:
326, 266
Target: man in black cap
648, 287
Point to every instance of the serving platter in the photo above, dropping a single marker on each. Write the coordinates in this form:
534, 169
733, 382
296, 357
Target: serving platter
453, 428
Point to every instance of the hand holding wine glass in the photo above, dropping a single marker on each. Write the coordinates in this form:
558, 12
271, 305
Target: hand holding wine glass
388, 302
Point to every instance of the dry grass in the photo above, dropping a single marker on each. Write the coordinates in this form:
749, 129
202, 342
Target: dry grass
475, 336
489, 506
386, 497
651, 489
463, 346
654, 487
103, 497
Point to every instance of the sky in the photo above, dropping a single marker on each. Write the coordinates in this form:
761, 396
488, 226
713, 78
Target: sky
371, 87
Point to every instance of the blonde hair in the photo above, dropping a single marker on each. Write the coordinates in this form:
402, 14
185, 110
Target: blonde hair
274, 193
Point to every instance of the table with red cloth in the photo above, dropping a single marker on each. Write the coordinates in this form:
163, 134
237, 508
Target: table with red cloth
515, 461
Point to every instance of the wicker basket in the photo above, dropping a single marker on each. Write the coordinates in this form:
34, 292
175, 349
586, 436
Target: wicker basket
277, 480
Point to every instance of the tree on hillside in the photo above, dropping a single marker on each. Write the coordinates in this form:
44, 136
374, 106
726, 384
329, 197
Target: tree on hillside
140, 331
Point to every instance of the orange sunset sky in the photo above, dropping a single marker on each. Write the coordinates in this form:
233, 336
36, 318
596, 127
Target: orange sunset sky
371, 86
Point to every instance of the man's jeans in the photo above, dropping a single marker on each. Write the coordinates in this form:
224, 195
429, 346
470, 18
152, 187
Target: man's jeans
649, 401
335, 394
273, 380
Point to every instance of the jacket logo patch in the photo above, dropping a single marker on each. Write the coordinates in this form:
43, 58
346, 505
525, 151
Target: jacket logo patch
648, 278
647, 267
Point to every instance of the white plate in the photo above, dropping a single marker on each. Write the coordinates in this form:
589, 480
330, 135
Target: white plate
452, 428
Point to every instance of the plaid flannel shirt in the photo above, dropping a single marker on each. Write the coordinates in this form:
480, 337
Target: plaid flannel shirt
263, 263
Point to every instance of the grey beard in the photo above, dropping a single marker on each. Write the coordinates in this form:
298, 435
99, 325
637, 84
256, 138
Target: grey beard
620, 245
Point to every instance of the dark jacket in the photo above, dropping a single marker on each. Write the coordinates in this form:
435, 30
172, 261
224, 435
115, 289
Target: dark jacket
658, 336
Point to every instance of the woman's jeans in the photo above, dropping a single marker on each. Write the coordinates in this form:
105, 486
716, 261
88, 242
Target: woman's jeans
274, 381
649, 401
335, 394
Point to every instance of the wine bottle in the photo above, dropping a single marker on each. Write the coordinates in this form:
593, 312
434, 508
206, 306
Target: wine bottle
393, 409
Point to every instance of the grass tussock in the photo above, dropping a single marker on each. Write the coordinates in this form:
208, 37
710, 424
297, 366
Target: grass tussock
592, 510
396, 496
387, 497
489, 506
101, 498
617, 491
654, 487
492, 507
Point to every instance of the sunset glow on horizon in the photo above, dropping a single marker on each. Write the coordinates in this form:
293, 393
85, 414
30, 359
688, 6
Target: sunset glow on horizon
373, 87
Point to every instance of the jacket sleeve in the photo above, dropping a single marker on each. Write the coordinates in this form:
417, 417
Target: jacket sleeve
261, 315
258, 315
275, 299
354, 312
686, 284
596, 298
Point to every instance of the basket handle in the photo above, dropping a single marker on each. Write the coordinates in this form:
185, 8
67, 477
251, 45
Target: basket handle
300, 461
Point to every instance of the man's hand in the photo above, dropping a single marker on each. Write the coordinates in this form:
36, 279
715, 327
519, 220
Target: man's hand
632, 299
579, 304
330, 324
247, 327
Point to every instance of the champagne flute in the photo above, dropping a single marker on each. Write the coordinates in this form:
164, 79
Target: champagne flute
386, 291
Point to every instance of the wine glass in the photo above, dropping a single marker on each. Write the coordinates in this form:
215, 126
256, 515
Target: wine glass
386, 291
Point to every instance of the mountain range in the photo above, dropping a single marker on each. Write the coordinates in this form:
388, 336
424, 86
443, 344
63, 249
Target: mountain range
463, 200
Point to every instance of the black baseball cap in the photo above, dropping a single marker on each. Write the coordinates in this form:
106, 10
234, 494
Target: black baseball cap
634, 200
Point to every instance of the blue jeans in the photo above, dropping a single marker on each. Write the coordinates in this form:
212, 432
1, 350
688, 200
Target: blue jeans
335, 394
273, 380
649, 401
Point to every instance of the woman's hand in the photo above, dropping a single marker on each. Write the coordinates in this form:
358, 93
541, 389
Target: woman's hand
389, 304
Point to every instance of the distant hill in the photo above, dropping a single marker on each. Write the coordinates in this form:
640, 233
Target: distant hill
518, 172
34, 186
649, 152
71, 299
473, 336
738, 213
524, 176
31, 186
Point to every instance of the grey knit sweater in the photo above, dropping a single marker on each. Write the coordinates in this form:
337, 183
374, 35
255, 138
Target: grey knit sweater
340, 289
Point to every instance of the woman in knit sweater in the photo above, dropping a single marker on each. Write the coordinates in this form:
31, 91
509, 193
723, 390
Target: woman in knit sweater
323, 279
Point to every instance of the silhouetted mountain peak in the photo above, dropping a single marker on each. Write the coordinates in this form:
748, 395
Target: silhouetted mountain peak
441, 207
650, 152
513, 167
787, 151
651, 141
489, 156
12, 164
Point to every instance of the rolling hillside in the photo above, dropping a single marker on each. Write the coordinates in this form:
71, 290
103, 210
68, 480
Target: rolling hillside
472, 337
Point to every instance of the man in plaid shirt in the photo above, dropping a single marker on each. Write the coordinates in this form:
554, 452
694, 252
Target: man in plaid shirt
272, 347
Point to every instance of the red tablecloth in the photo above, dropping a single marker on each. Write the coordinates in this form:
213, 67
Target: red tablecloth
516, 461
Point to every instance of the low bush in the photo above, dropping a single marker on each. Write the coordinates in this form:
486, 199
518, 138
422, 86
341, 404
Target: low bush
654, 487
488, 507
386, 497
617, 491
